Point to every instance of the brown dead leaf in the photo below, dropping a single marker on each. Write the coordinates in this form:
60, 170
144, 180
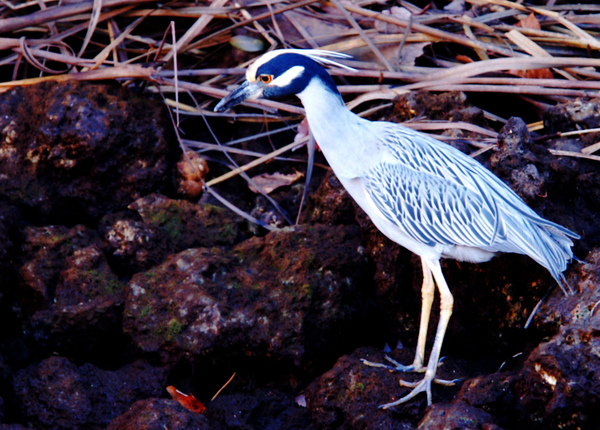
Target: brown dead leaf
303, 131
535, 74
530, 47
463, 59
530, 21
191, 171
411, 51
188, 401
396, 12
311, 28
270, 182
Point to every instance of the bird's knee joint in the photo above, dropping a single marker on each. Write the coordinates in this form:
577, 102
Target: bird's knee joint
446, 302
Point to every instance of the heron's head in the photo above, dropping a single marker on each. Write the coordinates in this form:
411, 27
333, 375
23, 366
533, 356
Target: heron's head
281, 73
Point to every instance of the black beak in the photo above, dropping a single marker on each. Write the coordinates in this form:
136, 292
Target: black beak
246, 91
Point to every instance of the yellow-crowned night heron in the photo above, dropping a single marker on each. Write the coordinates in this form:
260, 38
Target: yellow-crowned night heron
421, 193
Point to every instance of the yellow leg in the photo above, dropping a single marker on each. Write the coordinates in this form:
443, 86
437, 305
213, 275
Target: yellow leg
427, 291
446, 303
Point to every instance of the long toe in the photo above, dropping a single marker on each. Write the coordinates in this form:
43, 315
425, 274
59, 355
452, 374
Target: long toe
422, 386
405, 368
395, 366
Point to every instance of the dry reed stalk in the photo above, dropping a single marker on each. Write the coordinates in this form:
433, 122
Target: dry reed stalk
122, 40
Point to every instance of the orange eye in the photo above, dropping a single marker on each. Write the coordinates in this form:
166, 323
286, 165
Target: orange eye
265, 78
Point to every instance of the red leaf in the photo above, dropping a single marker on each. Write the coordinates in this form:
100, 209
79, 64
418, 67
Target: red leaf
188, 401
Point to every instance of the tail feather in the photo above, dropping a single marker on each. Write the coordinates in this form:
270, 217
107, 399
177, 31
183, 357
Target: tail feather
547, 243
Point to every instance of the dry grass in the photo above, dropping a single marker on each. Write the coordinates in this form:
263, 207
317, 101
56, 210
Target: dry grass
544, 54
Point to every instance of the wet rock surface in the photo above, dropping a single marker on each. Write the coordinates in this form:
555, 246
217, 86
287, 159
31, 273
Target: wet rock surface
82, 149
158, 414
261, 409
114, 287
57, 394
457, 415
70, 299
517, 160
256, 300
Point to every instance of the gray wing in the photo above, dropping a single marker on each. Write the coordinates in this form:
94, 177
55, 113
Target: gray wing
431, 210
422, 153
437, 194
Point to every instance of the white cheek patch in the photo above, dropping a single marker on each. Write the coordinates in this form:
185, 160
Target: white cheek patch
286, 78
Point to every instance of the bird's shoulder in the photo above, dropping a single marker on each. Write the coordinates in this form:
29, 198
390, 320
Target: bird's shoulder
419, 151
429, 159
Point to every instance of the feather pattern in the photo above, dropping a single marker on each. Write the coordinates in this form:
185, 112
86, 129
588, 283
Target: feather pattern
437, 196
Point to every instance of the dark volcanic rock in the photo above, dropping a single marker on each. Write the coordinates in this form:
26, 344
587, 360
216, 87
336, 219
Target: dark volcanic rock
559, 386
494, 393
556, 388
160, 226
188, 225
561, 310
9, 221
70, 296
74, 150
284, 296
133, 245
331, 203
159, 414
349, 395
58, 395
263, 409
518, 160
456, 415
10, 235
572, 115
45, 251
551, 185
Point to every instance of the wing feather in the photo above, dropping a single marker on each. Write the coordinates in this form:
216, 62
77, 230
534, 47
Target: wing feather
426, 154
437, 195
430, 210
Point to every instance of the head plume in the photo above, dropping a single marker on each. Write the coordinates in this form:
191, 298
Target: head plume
320, 56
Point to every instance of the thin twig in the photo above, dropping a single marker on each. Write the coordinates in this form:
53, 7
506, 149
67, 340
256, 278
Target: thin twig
254, 163
223, 387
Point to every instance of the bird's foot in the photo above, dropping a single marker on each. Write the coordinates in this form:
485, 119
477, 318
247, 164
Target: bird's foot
422, 386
